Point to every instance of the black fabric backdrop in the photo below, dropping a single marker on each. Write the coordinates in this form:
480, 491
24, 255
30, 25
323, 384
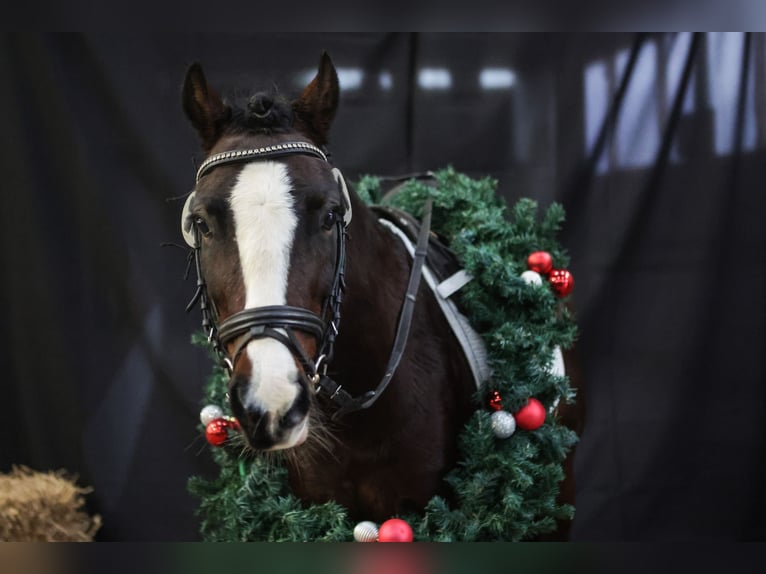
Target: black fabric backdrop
653, 142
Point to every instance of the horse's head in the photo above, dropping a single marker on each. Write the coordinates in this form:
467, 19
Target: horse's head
267, 218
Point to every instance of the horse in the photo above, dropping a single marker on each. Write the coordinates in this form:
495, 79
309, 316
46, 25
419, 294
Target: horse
370, 407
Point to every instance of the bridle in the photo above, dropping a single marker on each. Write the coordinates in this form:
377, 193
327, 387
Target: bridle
276, 321
279, 322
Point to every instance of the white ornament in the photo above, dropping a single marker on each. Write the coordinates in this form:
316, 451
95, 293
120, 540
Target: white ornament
532, 277
366, 531
557, 363
210, 413
503, 424
558, 369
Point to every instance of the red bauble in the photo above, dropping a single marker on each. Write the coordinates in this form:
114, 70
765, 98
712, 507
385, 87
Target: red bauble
561, 282
395, 530
217, 431
233, 423
531, 416
495, 401
540, 261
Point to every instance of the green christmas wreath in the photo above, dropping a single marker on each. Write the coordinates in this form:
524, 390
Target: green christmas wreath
505, 489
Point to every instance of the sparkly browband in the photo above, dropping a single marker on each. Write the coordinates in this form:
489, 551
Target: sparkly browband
275, 150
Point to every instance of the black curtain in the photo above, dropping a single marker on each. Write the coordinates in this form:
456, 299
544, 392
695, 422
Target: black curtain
654, 143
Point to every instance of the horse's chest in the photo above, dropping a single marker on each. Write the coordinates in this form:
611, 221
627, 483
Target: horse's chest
370, 490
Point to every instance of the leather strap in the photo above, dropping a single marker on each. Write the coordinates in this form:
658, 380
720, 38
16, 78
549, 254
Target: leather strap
288, 339
247, 155
403, 329
271, 316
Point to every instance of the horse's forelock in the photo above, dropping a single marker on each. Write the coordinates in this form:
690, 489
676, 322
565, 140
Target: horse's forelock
263, 112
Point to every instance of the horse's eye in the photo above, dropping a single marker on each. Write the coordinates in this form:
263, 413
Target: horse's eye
330, 218
202, 226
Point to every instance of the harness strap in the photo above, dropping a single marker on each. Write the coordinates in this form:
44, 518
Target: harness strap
246, 155
271, 316
334, 301
288, 339
366, 400
471, 342
453, 284
261, 322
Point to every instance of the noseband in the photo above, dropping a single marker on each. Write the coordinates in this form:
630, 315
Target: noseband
279, 321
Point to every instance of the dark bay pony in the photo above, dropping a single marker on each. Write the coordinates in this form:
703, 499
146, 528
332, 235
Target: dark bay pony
284, 247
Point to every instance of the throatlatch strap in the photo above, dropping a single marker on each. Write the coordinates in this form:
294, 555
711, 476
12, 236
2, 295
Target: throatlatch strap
405, 320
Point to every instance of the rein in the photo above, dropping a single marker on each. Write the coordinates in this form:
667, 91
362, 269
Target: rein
366, 400
279, 321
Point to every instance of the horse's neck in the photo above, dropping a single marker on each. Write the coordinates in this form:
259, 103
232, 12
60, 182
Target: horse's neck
392, 455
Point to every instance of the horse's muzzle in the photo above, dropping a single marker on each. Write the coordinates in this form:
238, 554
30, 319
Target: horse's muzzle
265, 429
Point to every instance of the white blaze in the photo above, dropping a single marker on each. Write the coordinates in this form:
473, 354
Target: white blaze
265, 222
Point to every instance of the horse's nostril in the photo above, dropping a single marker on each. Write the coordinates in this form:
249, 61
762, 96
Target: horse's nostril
248, 415
267, 427
297, 411
256, 427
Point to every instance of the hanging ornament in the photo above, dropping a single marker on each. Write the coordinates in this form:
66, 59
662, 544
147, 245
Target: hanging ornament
395, 530
558, 369
532, 278
494, 401
217, 430
503, 424
561, 282
540, 261
210, 413
531, 416
233, 424
556, 366
366, 531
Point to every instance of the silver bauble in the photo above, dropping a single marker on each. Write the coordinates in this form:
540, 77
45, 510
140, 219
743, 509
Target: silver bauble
366, 531
532, 278
210, 413
503, 424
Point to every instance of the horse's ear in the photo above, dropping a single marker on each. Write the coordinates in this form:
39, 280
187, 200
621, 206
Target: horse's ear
316, 106
203, 106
